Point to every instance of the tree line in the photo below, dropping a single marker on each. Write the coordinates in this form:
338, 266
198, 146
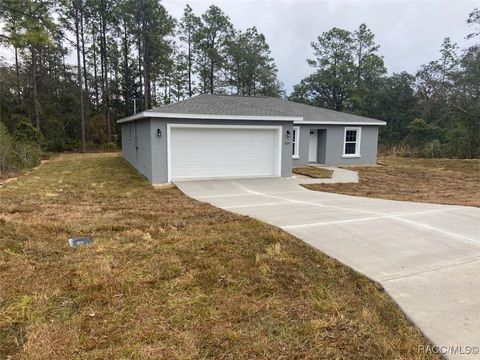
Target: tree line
435, 112
132, 55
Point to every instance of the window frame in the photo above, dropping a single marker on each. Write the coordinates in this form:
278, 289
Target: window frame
295, 142
357, 142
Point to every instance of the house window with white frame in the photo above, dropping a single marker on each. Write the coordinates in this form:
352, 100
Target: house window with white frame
351, 146
295, 141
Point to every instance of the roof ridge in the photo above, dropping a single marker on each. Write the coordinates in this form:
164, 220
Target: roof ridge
241, 96
174, 103
261, 107
325, 109
232, 97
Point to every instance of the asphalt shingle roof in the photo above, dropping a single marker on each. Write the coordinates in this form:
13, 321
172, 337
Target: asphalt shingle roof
209, 104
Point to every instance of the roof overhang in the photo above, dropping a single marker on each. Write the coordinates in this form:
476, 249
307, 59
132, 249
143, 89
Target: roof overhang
347, 123
152, 114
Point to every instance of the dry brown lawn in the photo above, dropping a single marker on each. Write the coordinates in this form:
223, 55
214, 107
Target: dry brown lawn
441, 181
313, 172
6, 175
169, 277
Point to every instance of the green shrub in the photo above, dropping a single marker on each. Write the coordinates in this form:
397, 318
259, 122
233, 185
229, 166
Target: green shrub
6, 144
97, 129
16, 154
457, 144
25, 131
421, 133
27, 154
110, 146
55, 137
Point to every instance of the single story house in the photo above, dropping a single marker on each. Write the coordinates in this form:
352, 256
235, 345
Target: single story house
222, 136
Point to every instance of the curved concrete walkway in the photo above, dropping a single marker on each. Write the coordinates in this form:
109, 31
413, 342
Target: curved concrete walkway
426, 256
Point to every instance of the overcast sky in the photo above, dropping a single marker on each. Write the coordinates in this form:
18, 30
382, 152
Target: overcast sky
409, 32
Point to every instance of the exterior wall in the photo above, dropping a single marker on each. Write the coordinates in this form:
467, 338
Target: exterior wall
331, 142
159, 144
136, 145
147, 152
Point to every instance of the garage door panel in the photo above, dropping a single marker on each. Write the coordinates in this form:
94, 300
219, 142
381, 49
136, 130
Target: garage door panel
223, 152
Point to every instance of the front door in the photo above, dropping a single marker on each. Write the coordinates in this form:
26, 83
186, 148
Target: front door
312, 146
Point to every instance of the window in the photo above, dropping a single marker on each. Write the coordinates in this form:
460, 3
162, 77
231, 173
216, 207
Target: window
351, 147
295, 141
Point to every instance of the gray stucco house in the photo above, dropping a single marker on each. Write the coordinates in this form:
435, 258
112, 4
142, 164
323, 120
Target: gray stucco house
221, 136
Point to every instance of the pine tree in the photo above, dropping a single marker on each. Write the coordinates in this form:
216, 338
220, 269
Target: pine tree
189, 27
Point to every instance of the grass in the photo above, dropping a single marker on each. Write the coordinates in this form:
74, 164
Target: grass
441, 181
313, 172
5, 175
170, 277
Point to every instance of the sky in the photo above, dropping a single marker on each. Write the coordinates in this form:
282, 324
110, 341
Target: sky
409, 33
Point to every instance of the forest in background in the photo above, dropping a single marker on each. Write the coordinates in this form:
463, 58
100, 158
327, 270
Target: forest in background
132, 55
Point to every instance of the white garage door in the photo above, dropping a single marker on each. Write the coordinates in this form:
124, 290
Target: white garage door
210, 152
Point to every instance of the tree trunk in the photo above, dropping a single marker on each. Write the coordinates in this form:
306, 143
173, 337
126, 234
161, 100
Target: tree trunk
17, 71
153, 90
126, 90
35, 110
65, 75
360, 64
79, 80
189, 64
105, 72
211, 75
146, 64
254, 84
85, 74
140, 71
102, 68
95, 75
146, 79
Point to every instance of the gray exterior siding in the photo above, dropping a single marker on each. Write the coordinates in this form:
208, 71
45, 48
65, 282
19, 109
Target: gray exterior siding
148, 153
331, 142
136, 146
155, 166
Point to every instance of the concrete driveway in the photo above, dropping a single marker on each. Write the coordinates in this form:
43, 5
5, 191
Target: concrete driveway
426, 256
